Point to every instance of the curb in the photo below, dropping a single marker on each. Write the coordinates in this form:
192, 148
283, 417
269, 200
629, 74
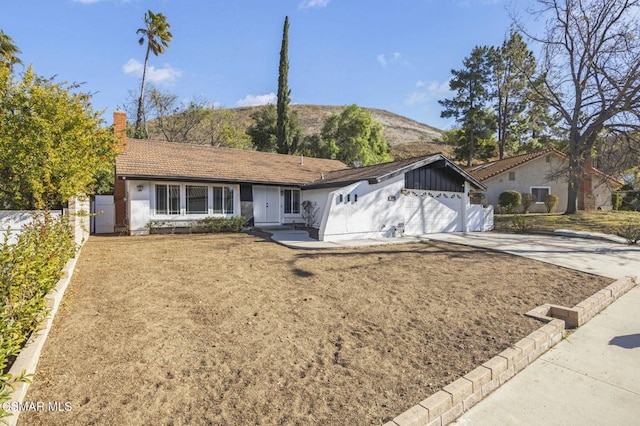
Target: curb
446, 405
28, 358
590, 236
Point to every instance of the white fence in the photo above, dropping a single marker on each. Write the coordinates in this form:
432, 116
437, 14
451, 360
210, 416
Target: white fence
12, 221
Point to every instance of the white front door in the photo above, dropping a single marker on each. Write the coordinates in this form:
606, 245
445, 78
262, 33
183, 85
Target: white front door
266, 204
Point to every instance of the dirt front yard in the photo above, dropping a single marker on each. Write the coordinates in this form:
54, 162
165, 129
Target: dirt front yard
232, 329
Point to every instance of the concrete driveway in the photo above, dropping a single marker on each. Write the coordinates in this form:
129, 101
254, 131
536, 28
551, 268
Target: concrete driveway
596, 257
593, 376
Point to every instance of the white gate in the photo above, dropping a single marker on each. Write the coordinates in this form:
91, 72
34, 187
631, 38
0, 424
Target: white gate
104, 215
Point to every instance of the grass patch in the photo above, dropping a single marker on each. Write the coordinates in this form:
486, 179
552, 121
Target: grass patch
607, 222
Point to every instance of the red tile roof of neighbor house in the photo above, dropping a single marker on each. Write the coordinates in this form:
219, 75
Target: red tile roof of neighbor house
152, 159
494, 168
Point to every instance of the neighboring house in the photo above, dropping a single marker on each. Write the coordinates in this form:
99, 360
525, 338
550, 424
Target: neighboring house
540, 173
181, 183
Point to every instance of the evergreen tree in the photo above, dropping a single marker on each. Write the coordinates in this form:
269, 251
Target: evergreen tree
284, 137
513, 67
472, 87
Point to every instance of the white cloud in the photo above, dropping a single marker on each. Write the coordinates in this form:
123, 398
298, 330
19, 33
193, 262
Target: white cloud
256, 100
166, 74
312, 4
392, 58
433, 90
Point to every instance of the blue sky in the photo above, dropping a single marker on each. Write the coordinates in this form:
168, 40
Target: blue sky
395, 56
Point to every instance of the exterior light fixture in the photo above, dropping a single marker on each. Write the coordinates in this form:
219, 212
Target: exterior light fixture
139, 187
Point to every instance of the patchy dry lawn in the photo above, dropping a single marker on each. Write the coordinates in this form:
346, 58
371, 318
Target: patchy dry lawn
231, 329
607, 222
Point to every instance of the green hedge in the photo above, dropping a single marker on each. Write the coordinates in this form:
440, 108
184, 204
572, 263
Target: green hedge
29, 269
221, 224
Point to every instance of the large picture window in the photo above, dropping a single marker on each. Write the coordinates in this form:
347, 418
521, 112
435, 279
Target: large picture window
540, 193
291, 201
167, 199
197, 199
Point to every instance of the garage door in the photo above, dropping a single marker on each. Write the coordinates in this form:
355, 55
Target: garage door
432, 212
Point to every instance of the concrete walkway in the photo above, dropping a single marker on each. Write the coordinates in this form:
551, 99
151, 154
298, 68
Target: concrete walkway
300, 240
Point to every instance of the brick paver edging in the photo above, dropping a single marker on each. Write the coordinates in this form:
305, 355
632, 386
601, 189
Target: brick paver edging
453, 400
28, 358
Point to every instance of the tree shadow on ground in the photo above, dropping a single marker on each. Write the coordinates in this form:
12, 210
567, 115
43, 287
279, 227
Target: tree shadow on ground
630, 341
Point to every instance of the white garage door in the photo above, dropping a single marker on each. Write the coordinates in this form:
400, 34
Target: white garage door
432, 212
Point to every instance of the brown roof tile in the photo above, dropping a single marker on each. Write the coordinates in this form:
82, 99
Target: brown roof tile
172, 160
494, 168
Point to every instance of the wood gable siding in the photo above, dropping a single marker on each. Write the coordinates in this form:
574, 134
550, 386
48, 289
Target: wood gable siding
434, 177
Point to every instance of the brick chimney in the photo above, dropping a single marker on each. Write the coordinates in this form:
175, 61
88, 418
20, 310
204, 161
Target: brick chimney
586, 200
120, 129
119, 190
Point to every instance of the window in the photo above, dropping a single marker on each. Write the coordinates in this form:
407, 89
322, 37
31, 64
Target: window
512, 175
197, 200
291, 201
222, 200
167, 199
540, 193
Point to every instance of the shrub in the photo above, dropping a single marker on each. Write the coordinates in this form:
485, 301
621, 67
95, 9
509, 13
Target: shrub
630, 231
222, 224
521, 224
309, 212
509, 200
528, 200
550, 201
616, 201
29, 269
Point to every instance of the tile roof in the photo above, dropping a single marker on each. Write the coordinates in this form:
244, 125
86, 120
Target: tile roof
150, 159
494, 168
183, 161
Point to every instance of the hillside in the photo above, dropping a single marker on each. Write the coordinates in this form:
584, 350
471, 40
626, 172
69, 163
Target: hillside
406, 137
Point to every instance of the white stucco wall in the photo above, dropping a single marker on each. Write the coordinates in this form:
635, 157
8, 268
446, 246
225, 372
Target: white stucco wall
380, 208
320, 197
372, 216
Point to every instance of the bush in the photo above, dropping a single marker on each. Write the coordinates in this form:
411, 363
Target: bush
550, 201
509, 200
222, 224
520, 224
528, 200
616, 201
630, 232
29, 269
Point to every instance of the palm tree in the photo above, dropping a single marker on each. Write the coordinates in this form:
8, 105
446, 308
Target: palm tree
157, 35
8, 50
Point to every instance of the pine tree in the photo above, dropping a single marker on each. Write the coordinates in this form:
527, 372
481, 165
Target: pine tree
471, 85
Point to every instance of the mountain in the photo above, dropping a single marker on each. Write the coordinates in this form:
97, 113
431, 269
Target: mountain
406, 137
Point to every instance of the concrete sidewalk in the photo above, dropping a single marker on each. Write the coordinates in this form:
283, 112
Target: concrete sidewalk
593, 376
590, 378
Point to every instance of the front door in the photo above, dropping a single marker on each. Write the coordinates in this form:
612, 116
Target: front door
266, 204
